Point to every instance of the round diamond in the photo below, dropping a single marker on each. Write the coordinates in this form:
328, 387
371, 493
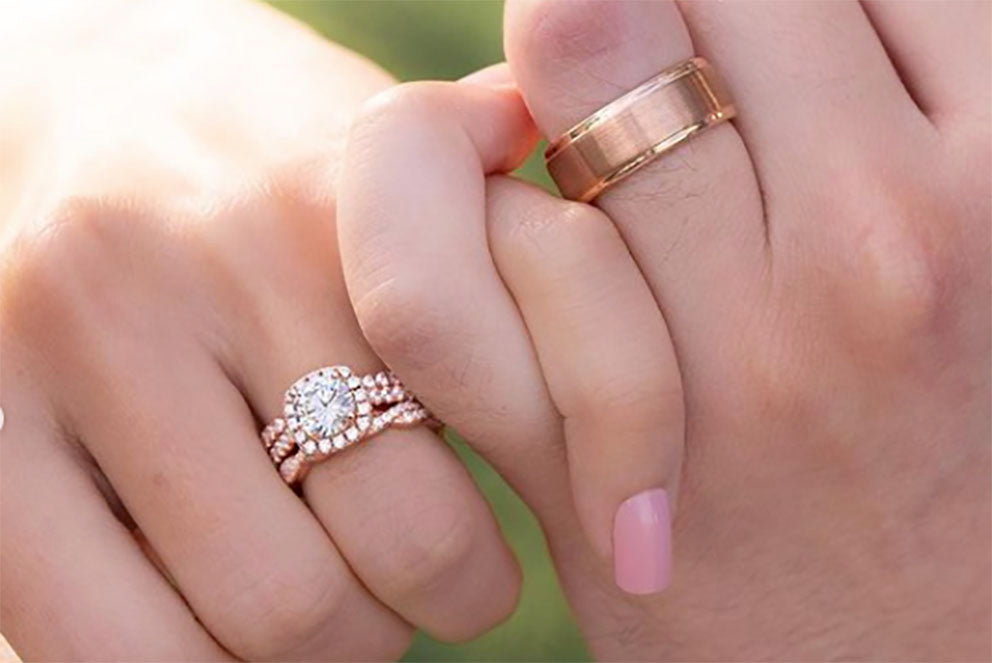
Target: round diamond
324, 405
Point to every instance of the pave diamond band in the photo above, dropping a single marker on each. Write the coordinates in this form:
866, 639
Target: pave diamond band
330, 409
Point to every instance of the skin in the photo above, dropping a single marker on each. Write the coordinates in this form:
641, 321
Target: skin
816, 354
169, 267
822, 269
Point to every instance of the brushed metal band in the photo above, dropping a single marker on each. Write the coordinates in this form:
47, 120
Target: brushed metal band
632, 131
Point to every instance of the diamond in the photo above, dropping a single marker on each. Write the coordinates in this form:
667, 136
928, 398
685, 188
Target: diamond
324, 405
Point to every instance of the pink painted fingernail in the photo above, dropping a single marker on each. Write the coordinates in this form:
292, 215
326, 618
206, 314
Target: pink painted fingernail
642, 533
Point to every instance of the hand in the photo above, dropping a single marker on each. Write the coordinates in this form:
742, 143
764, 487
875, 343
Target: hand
831, 326
521, 318
823, 266
169, 271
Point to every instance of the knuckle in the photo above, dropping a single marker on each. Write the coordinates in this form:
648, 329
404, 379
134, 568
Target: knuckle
903, 271
630, 400
901, 288
432, 552
59, 271
536, 232
404, 324
556, 241
90, 267
554, 32
408, 102
281, 612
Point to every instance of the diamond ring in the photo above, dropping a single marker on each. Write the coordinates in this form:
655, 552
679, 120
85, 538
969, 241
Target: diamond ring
330, 409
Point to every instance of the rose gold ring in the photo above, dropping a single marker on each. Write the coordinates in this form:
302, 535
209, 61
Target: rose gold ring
331, 409
630, 132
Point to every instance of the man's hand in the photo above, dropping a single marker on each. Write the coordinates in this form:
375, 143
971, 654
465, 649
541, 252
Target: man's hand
823, 267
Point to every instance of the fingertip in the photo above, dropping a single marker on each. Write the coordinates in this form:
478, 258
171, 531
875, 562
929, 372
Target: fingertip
495, 75
423, 117
571, 58
642, 550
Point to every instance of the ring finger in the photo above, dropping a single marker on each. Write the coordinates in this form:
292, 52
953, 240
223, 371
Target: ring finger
400, 507
693, 217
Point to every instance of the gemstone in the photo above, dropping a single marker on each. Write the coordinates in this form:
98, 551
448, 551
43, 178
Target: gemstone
324, 405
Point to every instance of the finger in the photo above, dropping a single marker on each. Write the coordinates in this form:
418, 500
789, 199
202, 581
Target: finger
411, 217
76, 587
494, 75
416, 529
181, 449
809, 78
411, 222
942, 53
609, 364
692, 218
400, 507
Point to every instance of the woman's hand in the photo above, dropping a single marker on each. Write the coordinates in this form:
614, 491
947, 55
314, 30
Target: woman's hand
831, 326
170, 268
520, 317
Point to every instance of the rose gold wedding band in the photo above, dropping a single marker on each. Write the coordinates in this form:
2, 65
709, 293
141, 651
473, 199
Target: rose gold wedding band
630, 132
331, 409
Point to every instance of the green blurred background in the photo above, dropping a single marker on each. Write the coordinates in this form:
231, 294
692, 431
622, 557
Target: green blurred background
446, 39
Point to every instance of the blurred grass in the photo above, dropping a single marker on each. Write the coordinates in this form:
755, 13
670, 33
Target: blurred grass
446, 39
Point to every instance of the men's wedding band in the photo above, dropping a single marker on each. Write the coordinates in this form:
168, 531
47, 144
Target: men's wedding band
331, 409
630, 132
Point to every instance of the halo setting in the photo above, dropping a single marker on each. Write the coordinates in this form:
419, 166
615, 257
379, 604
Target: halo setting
325, 410
330, 409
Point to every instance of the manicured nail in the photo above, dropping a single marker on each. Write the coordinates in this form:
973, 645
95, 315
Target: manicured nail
642, 552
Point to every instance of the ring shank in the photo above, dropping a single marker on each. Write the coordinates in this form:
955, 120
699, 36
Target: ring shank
630, 132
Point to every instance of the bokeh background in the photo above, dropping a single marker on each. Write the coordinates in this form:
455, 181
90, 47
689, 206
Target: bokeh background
446, 39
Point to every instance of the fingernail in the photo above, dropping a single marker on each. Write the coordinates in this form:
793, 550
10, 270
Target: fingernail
642, 552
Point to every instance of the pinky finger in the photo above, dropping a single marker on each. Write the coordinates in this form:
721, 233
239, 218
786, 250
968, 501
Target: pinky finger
76, 586
605, 352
